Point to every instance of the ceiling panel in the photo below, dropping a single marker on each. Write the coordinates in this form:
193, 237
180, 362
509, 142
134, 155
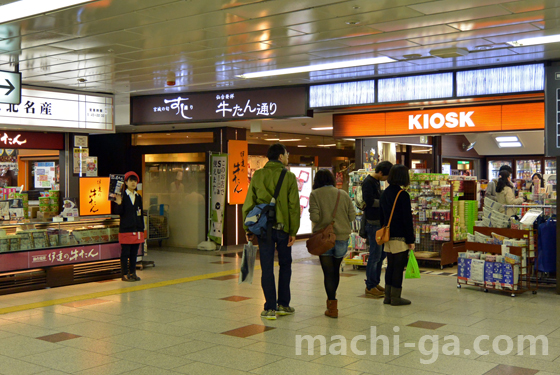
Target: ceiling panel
444, 18
340, 36
120, 37
534, 16
452, 5
348, 8
504, 30
372, 49
279, 7
530, 5
370, 18
401, 34
532, 34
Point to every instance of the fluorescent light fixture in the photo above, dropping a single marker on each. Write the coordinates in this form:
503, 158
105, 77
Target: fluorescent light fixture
302, 146
509, 138
537, 40
349, 139
334, 144
509, 144
323, 128
272, 139
29, 8
314, 68
290, 140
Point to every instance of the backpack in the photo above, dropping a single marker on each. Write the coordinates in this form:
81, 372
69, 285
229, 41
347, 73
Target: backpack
262, 217
359, 198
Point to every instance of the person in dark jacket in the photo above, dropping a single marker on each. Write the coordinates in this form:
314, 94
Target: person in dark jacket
131, 230
401, 231
371, 192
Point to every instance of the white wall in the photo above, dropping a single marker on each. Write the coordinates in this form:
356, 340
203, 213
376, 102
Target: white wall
533, 143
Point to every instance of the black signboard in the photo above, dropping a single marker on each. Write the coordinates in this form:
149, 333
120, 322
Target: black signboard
226, 105
552, 109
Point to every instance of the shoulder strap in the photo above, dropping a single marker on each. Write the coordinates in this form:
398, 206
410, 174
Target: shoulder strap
279, 185
393, 210
336, 205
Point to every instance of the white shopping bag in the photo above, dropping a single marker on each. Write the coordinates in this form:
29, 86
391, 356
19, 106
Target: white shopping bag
248, 263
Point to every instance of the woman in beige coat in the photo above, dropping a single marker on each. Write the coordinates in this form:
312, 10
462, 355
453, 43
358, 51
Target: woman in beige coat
505, 193
322, 203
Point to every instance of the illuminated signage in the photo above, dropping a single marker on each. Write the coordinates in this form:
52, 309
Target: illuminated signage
93, 196
220, 106
438, 120
59, 110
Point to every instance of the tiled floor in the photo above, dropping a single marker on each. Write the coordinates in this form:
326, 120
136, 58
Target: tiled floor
189, 315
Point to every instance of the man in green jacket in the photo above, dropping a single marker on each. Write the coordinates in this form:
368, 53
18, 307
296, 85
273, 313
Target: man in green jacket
261, 190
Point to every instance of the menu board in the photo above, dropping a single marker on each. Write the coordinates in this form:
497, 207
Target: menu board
45, 175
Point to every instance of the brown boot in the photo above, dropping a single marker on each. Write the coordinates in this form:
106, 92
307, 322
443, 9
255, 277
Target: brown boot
332, 308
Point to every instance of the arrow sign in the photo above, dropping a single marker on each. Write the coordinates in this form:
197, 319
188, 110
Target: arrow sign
10, 87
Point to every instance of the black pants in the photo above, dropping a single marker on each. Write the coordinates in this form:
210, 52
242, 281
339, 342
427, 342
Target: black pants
395, 268
129, 253
279, 242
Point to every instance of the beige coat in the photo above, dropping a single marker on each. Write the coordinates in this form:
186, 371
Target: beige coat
507, 196
321, 207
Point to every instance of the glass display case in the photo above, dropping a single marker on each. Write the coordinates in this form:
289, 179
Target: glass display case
47, 244
494, 167
524, 169
550, 166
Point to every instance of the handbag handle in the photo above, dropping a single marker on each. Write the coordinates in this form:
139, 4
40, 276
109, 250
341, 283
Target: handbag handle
393, 210
336, 206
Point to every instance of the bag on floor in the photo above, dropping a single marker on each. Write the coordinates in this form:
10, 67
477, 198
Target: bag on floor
412, 269
248, 263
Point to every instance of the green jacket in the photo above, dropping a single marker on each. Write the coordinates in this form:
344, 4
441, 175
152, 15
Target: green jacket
262, 189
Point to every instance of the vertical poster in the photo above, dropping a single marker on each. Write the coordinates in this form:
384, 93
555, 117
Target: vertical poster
218, 177
93, 196
304, 176
237, 171
45, 175
91, 166
80, 155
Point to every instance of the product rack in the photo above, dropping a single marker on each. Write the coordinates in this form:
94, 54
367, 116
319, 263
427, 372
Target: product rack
447, 250
355, 179
526, 266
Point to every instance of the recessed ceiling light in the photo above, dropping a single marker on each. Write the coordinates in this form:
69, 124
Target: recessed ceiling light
317, 67
29, 8
140, 135
323, 128
302, 146
509, 138
352, 22
509, 144
82, 80
412, 56
168, 134
537, 40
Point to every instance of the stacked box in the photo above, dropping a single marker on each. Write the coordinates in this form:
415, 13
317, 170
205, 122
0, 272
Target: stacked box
25, 200
54, 201
40, 239
463, 268
4, 244
14, 243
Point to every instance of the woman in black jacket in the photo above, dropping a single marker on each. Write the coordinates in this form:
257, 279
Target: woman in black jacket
131, 230
401, 233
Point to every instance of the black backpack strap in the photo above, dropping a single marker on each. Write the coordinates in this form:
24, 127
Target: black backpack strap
269, 223
279, 184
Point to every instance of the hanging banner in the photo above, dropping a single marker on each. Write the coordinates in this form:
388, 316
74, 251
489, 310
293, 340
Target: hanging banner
238, 180
218, 177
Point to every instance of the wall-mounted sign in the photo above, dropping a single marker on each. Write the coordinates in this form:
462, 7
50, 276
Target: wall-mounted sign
45, 175
80, 155
220, 106
58, 110
10, 87
238, 180
93, 196
508, 117
30, 140
80, 141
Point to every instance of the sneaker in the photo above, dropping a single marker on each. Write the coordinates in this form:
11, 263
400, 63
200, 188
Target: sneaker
269, 314
379, 287
374, 292
285, 310
134, 277
127, 278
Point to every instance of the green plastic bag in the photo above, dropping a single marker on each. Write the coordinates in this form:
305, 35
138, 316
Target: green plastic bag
412, 270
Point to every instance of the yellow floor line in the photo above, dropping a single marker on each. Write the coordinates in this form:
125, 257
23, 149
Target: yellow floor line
106, 293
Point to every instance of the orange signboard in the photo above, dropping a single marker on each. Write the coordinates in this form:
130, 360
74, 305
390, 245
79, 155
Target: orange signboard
491, 118
93, 196
238, 179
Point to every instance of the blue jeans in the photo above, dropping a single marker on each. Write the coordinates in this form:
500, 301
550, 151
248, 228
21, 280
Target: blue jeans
339, 250
375, 259
279, 241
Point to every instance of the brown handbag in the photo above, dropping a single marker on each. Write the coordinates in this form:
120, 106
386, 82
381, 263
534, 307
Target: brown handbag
325, 239
382, 235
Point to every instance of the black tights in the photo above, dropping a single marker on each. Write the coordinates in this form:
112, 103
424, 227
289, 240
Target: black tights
331, 268
395, 268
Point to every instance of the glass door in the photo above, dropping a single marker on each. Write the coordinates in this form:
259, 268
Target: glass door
524, 169
494, 167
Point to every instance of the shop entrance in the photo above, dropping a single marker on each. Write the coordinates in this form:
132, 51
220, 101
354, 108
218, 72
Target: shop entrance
177, 181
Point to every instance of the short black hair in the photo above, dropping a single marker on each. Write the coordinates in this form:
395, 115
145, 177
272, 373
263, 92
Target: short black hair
506, 167
384, 167
132, 178
275, 151
323, 177
398, 175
